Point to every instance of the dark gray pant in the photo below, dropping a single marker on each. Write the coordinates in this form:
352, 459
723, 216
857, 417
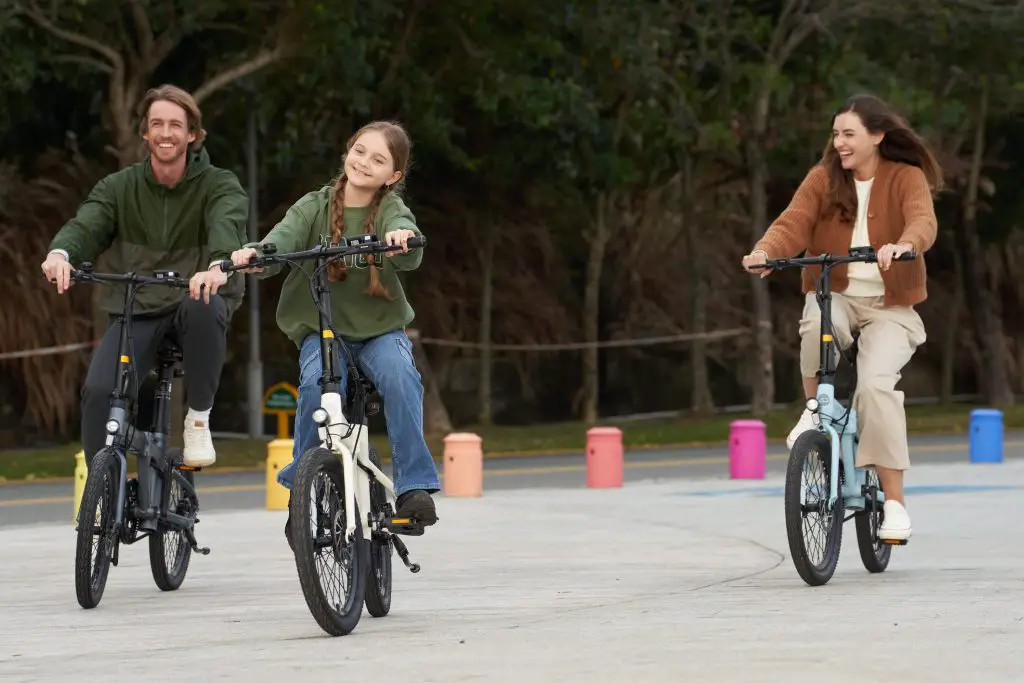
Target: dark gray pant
199, 329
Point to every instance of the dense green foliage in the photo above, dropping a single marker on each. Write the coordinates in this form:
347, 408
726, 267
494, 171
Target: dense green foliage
584, 171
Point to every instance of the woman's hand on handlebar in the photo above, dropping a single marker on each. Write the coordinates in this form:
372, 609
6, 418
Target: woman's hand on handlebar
243, 256
400, 237
756, 258
889, 252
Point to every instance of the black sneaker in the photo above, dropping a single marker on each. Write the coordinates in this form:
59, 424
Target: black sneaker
417, 504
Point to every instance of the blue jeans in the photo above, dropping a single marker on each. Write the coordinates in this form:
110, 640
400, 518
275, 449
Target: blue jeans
387, 362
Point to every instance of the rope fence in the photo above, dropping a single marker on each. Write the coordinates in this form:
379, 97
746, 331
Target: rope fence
414, 335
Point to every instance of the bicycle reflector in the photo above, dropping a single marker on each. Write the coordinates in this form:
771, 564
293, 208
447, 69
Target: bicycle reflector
320, 416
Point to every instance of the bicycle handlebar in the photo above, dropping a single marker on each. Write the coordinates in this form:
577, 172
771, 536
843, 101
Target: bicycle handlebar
857, 255
167, 278
364, 244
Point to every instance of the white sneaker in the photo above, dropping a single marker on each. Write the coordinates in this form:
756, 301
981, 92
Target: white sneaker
895, 522
806, 423
198, 444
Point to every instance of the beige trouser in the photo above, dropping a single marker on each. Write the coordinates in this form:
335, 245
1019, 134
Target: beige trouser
888, 338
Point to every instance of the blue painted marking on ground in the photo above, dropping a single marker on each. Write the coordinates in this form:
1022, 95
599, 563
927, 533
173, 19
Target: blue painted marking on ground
910, 490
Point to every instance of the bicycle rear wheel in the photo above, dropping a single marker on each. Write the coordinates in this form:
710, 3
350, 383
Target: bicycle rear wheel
874, 553
378, 588
332, 570
169, 549
97, 533
815, 533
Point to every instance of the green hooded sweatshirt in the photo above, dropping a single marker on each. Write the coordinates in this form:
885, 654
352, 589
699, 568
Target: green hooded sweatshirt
142, 226
357, 316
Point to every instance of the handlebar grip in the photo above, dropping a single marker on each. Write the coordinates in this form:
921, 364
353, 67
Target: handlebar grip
416, 242
906, 256
225, 266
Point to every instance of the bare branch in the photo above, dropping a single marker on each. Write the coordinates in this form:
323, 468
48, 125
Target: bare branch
225, 78
403, 50
37, 16
143, 29
85, 61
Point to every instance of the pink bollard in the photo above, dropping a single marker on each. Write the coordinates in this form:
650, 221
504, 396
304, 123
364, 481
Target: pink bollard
748, 446
604, 457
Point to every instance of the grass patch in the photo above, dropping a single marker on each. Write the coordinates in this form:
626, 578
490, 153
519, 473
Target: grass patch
29, 464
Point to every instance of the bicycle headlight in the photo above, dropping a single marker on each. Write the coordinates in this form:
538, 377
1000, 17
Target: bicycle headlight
113, 426
812, 404
320, 416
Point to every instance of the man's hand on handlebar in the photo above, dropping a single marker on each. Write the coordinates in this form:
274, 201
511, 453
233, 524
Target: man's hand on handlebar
243, 256
889, 252
206, 283
399, 237
754, 259
57, 269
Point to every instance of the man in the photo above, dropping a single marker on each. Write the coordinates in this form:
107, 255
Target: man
175, 211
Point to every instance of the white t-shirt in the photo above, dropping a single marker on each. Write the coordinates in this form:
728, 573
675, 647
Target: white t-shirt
865, 278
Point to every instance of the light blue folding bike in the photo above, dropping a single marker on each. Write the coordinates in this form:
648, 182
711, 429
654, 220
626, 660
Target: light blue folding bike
822, 479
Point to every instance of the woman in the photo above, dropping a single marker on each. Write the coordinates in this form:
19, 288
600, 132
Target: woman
873, 186
368, 304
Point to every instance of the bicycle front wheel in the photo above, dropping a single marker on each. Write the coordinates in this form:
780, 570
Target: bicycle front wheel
815, 532
332, 569
97, 532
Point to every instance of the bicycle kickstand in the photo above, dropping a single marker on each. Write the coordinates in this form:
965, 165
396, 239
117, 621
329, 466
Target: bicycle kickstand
191, 537
403, 553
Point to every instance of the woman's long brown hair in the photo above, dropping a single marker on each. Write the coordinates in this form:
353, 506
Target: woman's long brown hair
400, 146
900, 143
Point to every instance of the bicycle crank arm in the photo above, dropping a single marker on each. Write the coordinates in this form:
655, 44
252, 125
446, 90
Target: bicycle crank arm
403, 553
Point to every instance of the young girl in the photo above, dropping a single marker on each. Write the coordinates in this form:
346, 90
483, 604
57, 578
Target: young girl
368, 304
873, 186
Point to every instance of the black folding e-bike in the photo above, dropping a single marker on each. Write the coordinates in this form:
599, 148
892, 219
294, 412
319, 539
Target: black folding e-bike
160, 503
342, 522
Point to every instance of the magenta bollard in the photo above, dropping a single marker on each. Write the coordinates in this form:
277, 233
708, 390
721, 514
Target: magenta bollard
748, 445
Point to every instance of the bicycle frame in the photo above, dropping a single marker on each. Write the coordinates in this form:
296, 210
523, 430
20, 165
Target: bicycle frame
348, 441
149, 446
839, 424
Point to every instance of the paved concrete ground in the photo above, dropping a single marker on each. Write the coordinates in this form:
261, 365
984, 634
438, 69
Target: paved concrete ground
679, 580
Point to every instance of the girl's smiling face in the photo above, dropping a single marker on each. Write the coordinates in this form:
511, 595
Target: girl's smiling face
369, 164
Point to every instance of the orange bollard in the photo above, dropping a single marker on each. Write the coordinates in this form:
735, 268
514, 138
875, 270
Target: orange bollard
604, 457
463, 465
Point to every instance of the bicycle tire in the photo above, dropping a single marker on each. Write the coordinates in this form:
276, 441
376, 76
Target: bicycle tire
814, 574
319, 464
379, 575
100, 491
874, 554
171, 578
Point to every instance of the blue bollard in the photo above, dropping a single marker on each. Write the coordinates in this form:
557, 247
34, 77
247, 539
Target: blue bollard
986, 439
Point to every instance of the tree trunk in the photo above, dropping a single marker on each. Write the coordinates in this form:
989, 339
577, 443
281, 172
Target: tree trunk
435, 415
763, 377
988, 326
484, 415
591, 308
701, 401
951, 332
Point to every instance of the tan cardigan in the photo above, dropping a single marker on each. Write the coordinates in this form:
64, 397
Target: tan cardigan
900, 210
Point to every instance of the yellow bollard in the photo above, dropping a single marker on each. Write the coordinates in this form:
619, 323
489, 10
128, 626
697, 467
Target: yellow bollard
81, 473
279, 454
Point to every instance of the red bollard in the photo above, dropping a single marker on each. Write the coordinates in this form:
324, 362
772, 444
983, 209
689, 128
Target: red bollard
604, 457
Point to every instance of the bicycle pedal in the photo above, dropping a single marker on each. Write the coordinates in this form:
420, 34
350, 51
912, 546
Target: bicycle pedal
893, 541
189, 468
404, 525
